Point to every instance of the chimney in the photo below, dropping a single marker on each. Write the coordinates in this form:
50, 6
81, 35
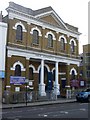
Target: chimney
1, 16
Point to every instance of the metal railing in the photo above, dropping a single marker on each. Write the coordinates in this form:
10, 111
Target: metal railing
32, 96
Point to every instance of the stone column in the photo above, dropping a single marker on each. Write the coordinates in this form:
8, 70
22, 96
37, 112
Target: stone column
56, 85
42, 85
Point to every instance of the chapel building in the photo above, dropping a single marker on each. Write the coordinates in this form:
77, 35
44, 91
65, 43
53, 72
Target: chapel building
42, 48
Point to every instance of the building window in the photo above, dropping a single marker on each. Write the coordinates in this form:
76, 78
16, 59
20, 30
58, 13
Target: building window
72, 47
87, 54
17, 70
87, 59
73, 74
30, 73
50, 40
35, 37
62, 44
88, 74
19, 32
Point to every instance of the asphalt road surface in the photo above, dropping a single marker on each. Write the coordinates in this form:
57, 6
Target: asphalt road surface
67, 110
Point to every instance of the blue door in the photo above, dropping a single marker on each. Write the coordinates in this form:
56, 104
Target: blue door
49, 83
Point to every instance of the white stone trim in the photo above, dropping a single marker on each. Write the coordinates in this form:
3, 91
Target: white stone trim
53, 69
36, 28
17, 44
31, 19
18, 63
39, 55
34, 70
63, 78
50, 32
7, 86
67, 86
73, 41
62, 36
43, 14
45, 66
31, 66
73, 69
62, 73
19, 23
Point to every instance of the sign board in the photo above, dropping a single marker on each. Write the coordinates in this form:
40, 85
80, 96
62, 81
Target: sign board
82, 83
17, 89
74, 83
17, 80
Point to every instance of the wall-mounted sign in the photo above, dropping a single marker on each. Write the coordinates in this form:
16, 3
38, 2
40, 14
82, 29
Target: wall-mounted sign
82, 83
17, 89
17, 80
74, 83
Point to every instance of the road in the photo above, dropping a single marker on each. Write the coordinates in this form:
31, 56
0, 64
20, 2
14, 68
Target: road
67, 110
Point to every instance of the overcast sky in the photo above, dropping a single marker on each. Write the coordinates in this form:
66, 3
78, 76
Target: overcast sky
73, 12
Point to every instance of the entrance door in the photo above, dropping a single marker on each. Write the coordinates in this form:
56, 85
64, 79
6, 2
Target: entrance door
50, 82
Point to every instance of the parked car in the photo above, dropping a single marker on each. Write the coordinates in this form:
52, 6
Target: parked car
83, 96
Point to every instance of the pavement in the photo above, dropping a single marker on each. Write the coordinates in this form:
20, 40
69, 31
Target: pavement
37, 103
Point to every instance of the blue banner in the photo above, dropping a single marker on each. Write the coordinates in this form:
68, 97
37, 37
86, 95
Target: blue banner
17, 80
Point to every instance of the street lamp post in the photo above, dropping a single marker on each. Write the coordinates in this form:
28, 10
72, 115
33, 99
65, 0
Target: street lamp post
26, 81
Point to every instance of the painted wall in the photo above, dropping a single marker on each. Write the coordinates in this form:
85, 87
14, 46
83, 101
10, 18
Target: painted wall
3, 35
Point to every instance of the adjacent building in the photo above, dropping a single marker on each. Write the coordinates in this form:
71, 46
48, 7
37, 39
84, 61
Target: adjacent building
42, 48
3, 37
86, 63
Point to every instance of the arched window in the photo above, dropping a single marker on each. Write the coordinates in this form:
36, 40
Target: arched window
62, 44
35, 37
73, 74
50, 40
72, 47
17, 70
19, 32
30, 73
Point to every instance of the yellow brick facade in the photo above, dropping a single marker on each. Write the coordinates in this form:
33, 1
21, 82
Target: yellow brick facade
31, 55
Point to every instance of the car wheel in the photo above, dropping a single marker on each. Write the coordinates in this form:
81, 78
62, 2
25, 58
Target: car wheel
89, 99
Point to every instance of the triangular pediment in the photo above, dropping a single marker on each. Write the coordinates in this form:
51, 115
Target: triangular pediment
51, 17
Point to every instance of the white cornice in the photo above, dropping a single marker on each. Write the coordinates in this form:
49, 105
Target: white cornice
40, 55
31, 19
